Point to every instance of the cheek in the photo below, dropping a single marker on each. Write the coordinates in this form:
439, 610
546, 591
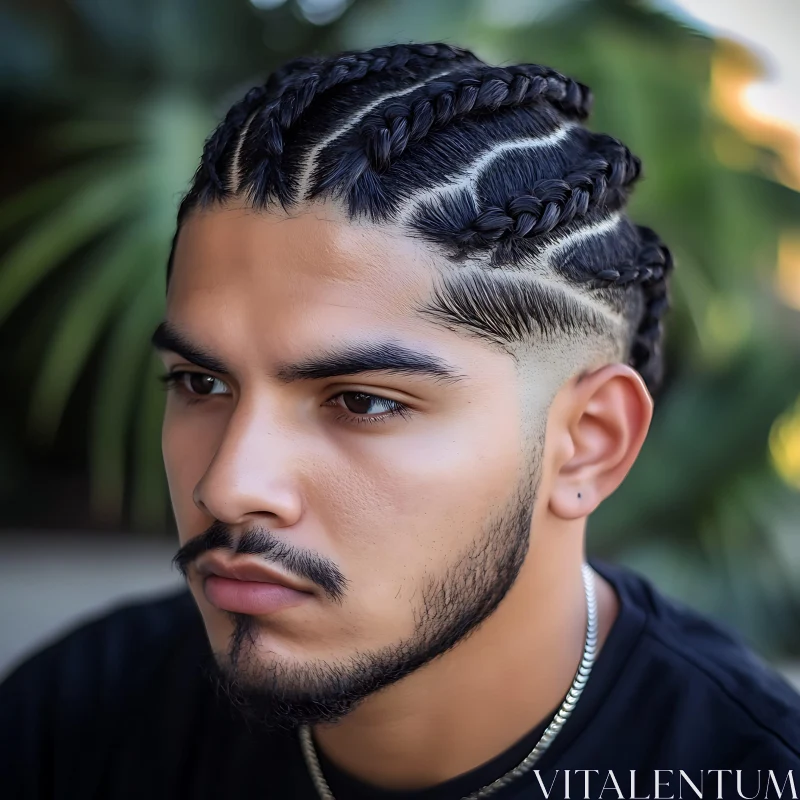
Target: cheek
402, 505
188, 444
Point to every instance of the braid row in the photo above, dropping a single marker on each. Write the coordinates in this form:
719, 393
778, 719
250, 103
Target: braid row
220, 139
240, 112
291, 89
651, 270
646, 346
298, 92
603, 181
388, 133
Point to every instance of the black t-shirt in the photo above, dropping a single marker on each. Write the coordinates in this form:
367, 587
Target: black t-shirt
121, 708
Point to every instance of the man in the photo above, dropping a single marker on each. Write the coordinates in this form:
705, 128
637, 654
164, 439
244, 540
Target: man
412, 342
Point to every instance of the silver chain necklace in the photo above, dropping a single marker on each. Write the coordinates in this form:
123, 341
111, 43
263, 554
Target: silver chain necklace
561, 716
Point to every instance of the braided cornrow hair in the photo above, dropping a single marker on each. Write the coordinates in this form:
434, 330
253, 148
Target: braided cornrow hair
441, 101
603, 180
491, 166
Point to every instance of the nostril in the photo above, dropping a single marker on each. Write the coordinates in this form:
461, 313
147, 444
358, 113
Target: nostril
197, 501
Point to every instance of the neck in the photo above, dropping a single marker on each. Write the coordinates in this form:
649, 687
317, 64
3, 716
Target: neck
485, 694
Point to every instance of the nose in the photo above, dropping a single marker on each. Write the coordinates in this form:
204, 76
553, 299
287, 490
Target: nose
251, 475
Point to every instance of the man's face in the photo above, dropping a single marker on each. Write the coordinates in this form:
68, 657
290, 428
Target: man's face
404, 529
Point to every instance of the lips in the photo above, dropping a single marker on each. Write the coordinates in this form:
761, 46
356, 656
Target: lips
246, 571
249, 588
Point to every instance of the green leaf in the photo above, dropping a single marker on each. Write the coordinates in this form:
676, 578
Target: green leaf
85, 314
94, 208
119, 389
50, 191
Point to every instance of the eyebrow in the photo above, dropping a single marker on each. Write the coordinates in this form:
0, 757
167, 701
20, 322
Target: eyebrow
382, 356
167, 338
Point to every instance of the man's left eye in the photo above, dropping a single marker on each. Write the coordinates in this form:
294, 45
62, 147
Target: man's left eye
195, 383
362, 403
198, 383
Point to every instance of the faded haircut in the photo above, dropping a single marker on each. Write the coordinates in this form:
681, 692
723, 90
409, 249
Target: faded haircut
490, 166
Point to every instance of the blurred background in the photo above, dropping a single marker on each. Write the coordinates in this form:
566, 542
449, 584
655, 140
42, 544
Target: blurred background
106, 105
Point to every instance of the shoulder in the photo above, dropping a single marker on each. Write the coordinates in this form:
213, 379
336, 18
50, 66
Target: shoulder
73, 688
713, 685
105, 641
98, 655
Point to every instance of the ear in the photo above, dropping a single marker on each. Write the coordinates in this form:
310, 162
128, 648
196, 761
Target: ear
601, 423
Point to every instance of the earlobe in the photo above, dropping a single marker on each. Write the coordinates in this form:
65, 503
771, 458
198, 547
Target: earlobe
566, 503
605, 425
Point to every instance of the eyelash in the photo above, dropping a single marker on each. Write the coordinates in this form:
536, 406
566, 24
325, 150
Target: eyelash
173, 381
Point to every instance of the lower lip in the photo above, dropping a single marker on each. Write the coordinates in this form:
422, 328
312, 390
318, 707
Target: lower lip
250, 597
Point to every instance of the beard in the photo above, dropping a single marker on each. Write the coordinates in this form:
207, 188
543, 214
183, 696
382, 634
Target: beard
452, 606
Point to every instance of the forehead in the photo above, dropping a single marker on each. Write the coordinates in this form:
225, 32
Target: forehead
258, 288
268, 264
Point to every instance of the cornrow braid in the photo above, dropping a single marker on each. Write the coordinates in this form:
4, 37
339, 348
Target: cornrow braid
383, 136
295, 96
388, 133
289, 91
234, 120
650, 268
602, 181
654, 268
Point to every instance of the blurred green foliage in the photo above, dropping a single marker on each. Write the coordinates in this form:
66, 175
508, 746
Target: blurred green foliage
112, 100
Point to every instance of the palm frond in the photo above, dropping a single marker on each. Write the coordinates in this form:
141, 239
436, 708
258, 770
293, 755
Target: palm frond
119, 385
112, 269
91, 209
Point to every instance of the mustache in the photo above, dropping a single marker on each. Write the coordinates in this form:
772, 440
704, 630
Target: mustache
259, 541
